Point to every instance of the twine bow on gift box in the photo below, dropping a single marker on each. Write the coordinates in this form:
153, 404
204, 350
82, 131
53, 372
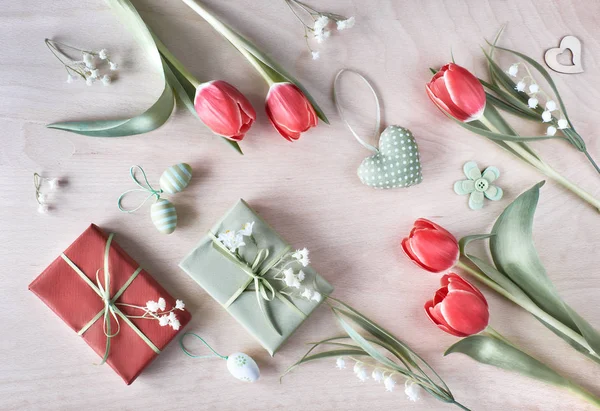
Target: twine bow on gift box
110, 307
263, 289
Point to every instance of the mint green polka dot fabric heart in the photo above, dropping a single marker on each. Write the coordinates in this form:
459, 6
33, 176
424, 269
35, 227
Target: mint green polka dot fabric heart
397, 162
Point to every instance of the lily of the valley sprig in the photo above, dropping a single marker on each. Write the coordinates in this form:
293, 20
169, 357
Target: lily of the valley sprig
289, 106
379, 375
87, 66
378, 355
320, 24
156, 310
288, 270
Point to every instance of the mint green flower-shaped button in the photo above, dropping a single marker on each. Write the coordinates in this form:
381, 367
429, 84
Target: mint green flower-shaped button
479, 185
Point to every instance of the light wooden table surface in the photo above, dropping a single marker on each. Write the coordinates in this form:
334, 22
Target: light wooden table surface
307, 190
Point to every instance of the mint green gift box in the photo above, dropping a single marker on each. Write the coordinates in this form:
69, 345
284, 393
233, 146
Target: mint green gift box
222, 278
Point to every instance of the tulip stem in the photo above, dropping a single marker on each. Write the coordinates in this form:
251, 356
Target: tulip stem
232, 36
164, 51
538, 163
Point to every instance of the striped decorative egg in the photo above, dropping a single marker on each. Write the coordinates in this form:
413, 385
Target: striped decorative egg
164, 216
176, 178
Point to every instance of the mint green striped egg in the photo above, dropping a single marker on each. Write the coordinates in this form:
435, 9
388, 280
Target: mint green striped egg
176, 178
164, 216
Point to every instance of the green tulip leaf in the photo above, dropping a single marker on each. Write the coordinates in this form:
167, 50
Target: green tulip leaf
492, 351
515, 255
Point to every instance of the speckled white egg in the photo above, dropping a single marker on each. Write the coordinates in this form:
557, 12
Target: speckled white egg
243, 367
176, 178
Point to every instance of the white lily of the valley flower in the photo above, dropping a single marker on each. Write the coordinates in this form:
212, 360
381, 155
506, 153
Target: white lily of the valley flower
163, 320
320, 24
301, 276
534, 88
152, 306
377, 375
550, 105
88, 59
551, 131
307, 293
513, 70
563, 123
162, 304
113, 66
103, 54
174, 323
179, 305
340, 363
520, 86
322, 36
247, 229
231, 240
345, 24
546, 116
412, 390
106, 80
302, 257
288, 277
389, 383
532, 102
361, 371
315, 55
316, 296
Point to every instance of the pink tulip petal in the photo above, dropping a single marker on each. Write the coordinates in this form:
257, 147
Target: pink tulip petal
424, 223
436, 316
439, 94
434, 249
465, 91
458, 283
411, 255
464, 312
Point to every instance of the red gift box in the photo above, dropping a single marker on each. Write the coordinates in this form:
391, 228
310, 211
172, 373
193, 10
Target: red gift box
74, 300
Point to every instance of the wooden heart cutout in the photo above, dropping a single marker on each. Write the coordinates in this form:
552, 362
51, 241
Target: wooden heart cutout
568, 42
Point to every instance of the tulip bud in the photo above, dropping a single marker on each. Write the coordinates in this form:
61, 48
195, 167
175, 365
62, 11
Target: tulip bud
289, 110
457, 92
431, 247
224, 109
458, 308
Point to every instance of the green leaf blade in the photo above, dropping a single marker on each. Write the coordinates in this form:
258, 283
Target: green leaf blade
492, 351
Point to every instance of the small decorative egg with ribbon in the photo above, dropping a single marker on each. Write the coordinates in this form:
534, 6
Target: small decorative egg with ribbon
175, 178
243, 367
164, 216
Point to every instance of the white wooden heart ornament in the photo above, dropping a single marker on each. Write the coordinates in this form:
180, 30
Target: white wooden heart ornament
568, 42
